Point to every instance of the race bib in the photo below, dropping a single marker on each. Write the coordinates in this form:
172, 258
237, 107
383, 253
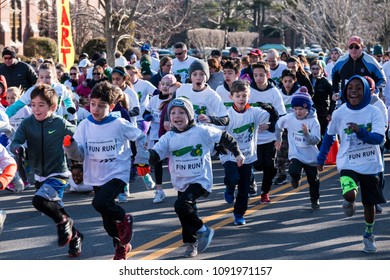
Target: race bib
102, 150
299, 140
188, 167
362, 156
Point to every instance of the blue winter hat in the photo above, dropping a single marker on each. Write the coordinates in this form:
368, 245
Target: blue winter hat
302, 99
145, 47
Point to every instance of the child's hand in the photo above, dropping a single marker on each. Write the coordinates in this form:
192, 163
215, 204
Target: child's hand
353, 126
203, 118
240, 160
278, 145
320, 167
68, 140
263, 126
305, 129
143, 169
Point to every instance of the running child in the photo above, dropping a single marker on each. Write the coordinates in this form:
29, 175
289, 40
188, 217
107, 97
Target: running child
188, 148
44, 132
101, 142
361, 128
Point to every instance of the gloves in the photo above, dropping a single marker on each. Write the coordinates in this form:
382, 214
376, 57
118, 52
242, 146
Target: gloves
21, 151
68, 140
148, 117
221, 150
143, 169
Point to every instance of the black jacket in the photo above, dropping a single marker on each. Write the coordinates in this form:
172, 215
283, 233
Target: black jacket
322, 98
19, 74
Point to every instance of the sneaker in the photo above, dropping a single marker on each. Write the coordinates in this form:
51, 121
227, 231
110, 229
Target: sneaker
239, 220
3, 215
125, 229
148, 181
378, 209
64, 231
26, 185
264, 198
229, 197
295, 183
253, 189
75, 245
192, 250
204, 239
121, 251
315, 205
369, 244
19, 186
282, 179
349, 208
11, 187
159, 196
122, 198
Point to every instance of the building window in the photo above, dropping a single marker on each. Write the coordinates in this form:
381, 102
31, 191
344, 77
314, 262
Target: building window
16, 20
43, 18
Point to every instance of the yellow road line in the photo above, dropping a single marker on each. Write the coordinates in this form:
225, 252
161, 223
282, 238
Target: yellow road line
158, 253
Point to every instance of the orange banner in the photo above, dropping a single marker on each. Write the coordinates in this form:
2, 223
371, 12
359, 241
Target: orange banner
65, 41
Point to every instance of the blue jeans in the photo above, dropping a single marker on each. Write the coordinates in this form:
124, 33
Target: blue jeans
240, 177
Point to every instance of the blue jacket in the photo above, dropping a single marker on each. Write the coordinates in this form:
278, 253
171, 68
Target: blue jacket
346, 67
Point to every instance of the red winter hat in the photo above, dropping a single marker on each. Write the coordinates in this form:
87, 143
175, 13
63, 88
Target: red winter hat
255, 52
355, 40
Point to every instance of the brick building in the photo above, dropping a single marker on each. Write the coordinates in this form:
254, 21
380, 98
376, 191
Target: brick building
23, 19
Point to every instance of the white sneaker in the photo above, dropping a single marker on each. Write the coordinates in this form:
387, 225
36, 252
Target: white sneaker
3, 215
349, 208
159, 197
369, 244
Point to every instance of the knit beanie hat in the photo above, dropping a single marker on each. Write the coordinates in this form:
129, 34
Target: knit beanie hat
199, 65
184, 103
302, 99
8, 51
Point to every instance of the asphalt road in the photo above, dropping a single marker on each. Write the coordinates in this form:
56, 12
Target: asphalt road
286, 229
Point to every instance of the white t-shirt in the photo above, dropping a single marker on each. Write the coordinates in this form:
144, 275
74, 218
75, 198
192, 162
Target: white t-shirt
243, 127
205, 102
386, 90
181, 67
273, 97
144, 90
189, 156
225, 96
16, 119
328, 70
298, 147
276, 74
79, 187
133, 101
106, 150
353, 154
153, 108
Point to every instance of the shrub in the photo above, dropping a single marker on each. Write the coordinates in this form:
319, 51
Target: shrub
41, 46
94, 45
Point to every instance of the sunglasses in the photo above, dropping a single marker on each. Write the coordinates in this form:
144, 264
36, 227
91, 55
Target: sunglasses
97, 73
378, 55
73, 74
354, 47
180, 53
7, 57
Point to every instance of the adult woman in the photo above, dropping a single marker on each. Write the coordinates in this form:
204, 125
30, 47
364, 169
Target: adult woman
294, 64
165, 68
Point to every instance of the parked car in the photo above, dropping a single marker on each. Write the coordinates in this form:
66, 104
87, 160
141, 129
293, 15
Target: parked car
165, 52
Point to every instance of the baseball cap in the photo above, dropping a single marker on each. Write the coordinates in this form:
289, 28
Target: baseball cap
216, 53
355, 40
145, 47
255, 52
233, 50
84, 63
378, 49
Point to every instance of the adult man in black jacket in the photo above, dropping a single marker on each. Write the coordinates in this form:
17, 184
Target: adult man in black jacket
16, 73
